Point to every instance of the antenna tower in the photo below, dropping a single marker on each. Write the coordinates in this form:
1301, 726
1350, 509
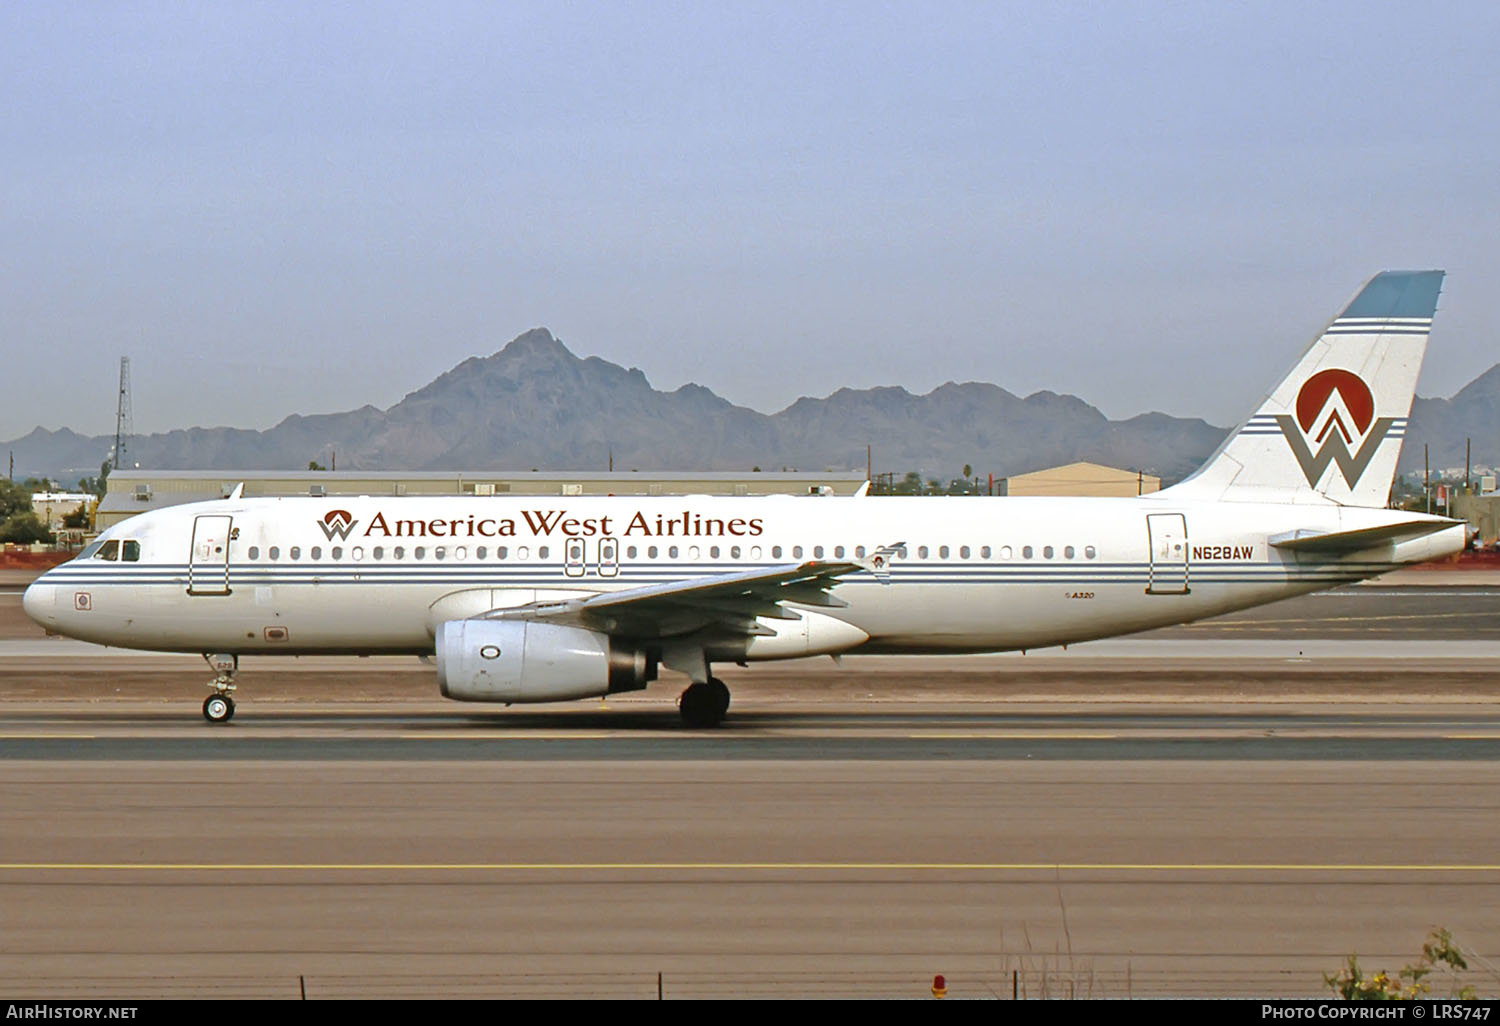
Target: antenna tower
123, 425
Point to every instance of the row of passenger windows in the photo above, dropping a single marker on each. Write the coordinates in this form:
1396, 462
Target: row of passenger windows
358, 553
523, 552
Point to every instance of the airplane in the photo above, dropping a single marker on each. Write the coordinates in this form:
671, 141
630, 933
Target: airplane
541, 599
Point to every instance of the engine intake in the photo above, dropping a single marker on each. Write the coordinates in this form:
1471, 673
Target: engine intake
521, 661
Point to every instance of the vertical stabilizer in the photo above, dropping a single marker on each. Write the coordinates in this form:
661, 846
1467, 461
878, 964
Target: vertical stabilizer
1332, 430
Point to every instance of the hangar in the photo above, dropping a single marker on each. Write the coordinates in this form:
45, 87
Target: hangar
1080, 479
129, 492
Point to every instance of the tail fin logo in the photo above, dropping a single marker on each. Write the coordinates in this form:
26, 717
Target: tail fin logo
337, 523
1336, 412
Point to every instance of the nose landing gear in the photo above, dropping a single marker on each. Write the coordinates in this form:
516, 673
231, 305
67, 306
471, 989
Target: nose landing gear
219, 706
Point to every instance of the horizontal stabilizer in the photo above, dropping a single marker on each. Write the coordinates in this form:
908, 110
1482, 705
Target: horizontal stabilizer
1353, 541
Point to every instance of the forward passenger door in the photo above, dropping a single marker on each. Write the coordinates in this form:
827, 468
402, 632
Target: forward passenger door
208, 563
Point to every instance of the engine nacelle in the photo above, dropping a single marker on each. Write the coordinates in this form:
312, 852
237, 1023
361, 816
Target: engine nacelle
521, 661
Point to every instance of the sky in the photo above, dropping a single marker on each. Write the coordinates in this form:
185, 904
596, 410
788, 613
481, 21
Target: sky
279, 208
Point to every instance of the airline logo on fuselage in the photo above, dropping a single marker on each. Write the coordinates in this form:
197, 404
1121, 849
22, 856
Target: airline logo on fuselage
543, 523
1335, 412
337, 523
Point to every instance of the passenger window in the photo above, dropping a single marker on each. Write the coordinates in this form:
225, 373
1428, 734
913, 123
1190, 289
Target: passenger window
817, 552
254, 552
796, 551
479, 551
734, 552
838, 552
1046, 551
317, 552
399, 552
541, 552
296, 552
378, 552
755, 552
1025, 551
672, 552
274, 553
921, 551
692, 552
651, 552
1068, 552
775, 551
502, 552
1088, 552
963, 552
439, 552
984, 552
630, 552
357, 553
942, 552
111, 551
338, 552
419, 552
713, 552
859, 552
1005, 552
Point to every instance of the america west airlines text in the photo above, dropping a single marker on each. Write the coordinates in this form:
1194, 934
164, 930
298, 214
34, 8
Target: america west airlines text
546, 523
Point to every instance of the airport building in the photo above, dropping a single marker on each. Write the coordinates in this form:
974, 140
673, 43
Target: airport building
130, 492
1481, 511
1080, 479
51, 507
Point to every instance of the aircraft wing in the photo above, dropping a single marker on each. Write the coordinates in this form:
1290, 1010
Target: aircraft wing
731, 602
1353, 541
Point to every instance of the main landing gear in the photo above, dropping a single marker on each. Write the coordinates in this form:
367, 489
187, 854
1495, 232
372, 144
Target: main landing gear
219, 706
704, 704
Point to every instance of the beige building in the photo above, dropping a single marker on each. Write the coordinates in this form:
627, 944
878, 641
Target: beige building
135, 491
51, 507
1080, 479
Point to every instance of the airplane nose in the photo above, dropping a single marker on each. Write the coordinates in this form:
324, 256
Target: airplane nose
40, 602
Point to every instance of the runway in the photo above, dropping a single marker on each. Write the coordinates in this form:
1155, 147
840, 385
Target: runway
1188, 814
787, 877
766, 732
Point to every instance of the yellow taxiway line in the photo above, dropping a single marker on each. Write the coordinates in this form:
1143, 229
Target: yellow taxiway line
1040, 735
48, 737
1151, 867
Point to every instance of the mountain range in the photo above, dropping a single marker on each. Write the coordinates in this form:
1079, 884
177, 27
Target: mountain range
535, 404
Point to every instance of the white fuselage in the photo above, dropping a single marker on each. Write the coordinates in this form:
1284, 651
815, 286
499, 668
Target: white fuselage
978, 574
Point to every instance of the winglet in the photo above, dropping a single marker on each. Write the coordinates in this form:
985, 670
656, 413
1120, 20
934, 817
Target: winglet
879, 561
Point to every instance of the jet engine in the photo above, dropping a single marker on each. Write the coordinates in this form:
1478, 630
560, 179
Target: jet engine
522, 661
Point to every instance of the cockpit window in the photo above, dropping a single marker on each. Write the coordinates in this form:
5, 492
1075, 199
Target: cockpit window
130, 551
89, 550
110, 551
